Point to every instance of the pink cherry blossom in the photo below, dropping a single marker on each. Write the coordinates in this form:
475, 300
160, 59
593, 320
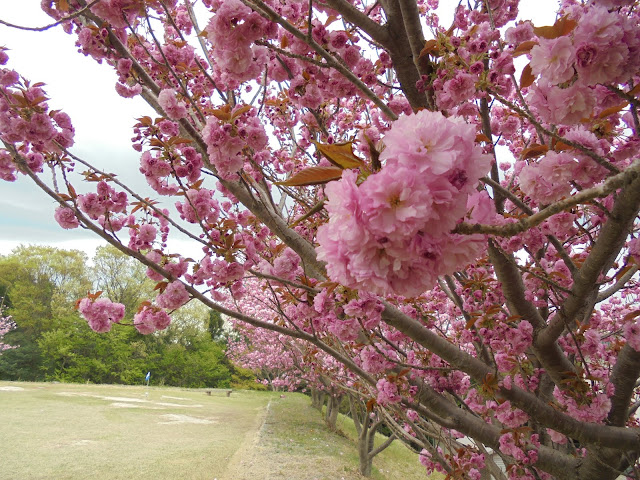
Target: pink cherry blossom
199, 206
391, 233
553, 59
174, 296
7, 167
549, 179
101, 313
174, 109
151, 319
387, 392
66, 218
561, 105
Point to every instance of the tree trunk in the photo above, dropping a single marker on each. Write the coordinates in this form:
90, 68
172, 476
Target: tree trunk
364, 453
317, 398
333, 408
366, 428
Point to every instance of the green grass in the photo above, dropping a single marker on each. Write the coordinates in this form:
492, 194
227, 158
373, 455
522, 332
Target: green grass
294, 426
65, 431
72, 431
396, 461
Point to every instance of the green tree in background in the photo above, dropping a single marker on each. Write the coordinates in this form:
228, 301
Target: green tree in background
29, 298
216, 325
41, 285
121, 278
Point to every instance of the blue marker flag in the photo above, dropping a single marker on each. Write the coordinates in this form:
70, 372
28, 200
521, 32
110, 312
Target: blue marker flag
146, 379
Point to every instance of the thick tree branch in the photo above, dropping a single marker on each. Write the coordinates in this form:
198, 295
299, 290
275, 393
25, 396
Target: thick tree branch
545, 414
358, 18
620, 283
555, 363
602, 255
402, 54
624, 375
624, 179
550, 460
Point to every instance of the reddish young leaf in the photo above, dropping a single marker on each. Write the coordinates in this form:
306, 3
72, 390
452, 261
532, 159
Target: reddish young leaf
527, 78
631, 315
240, 111
223, 113
161, 286
612, 110
144, 304
145, 121
563, 26
313, 176
524, 47
178, 140
94, 296
340, 154
430, 48
534, 151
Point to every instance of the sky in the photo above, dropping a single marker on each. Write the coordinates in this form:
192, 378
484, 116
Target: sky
103, 120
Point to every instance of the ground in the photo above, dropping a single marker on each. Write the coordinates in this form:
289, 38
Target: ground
62, 431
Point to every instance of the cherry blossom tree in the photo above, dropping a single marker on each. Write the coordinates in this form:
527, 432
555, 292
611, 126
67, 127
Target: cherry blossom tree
286, 362
6, 325
458, 234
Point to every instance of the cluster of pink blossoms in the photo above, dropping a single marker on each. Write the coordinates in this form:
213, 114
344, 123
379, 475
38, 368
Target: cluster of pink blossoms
174, 108
392, 234
150, 319
227, 142
174, 296
199, 206
231, 31
66, 218
105, 201
552, 177
25, 120
387, 392
100, 313
603, 48
6, 325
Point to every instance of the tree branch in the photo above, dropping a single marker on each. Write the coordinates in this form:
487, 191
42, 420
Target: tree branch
626, 178
264, 10
601, 257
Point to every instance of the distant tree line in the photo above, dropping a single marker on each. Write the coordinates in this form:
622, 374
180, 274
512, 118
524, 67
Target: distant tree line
39, 286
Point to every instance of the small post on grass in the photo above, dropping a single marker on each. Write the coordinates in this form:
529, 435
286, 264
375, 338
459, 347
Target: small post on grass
146, 379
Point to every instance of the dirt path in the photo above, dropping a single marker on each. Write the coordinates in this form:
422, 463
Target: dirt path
243, 465
269, 452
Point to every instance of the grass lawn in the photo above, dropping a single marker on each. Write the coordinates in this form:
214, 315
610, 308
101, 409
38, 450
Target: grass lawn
294, 426
72, 431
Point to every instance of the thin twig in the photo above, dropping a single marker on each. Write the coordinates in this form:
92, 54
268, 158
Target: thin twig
51, 25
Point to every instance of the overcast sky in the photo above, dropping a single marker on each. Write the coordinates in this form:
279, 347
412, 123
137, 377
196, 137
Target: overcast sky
103, 120
83, 89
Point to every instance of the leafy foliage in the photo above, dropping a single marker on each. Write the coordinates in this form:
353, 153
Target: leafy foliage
39, 284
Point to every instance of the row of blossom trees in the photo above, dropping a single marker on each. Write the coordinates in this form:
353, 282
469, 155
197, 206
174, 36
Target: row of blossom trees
458, 238
286, 363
